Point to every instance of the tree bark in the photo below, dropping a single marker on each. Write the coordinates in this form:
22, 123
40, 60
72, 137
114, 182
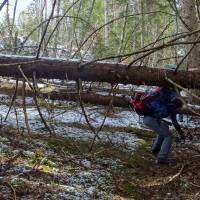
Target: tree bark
106, 30
99, 72
189, 16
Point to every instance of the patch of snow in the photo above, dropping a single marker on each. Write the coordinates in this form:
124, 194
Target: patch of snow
120, 117
86, 163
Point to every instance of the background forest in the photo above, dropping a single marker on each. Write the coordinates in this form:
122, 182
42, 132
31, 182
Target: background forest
66, 131
96, 29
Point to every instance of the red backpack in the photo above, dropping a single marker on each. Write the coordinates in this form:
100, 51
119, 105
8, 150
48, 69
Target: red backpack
139, 102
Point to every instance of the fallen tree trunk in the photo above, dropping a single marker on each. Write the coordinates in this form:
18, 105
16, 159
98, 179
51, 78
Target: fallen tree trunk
87, 97
100, 72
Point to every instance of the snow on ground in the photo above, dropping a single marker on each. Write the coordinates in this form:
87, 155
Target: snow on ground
125, 140
86, 179
60, 118
93, 179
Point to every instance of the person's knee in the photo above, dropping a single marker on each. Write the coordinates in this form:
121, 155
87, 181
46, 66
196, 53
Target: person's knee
167, 133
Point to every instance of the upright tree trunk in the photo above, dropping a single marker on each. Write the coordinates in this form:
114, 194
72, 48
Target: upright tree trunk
189, 16
57, 30
106, 15
142, 23
9, 26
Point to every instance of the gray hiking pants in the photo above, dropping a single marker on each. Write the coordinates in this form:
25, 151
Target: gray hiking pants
163, 142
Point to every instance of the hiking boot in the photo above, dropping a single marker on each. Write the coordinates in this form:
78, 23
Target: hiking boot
162, 162
155, 153
165, 162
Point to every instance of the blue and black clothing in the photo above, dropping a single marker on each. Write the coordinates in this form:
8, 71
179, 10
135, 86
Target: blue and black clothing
163, 142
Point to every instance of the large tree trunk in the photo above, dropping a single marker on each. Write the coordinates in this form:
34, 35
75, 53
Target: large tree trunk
101, 72
87, 97
189, 16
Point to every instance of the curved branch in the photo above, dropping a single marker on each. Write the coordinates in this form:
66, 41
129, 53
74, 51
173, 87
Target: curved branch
60, 21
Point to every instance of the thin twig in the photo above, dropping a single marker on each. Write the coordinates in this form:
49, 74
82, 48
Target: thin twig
166, 180
19, 63
24, 106
12, 189
24, 76
3, 4
61, 18
178, 14
150, 50
83, 109
103, 122
110, 22
45, 30
187, 54
16, 116
182, 88
187, 91
35, 98
13, 99
38, 108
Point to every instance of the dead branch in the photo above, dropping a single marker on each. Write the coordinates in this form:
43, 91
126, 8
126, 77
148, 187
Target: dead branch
151, 50
24, 106
110, 22
187, 54
13, 99
45, 30
182, 88
166, 180
83, 109
16, 116
35, 98
61, 18
102, 124
37, 106
3, 4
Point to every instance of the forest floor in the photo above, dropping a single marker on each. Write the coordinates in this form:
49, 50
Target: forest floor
39, 166
120, 166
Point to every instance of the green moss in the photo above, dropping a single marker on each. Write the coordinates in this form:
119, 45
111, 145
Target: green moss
124, 176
